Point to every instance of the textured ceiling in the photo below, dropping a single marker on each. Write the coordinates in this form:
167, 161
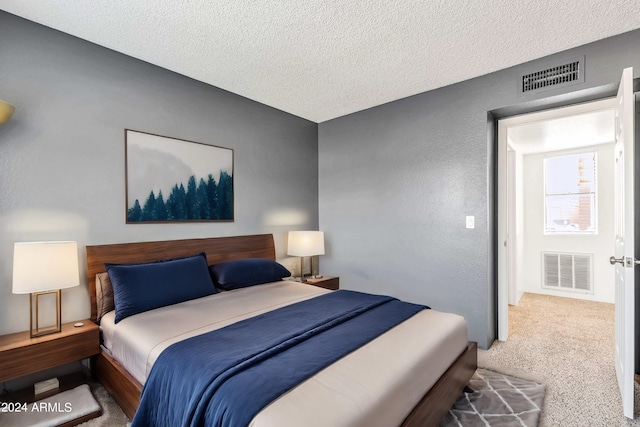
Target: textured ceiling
324, 59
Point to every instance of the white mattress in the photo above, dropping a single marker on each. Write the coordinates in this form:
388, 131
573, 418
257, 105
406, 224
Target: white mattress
377, 385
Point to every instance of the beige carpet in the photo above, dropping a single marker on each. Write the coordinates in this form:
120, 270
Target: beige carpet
567, 345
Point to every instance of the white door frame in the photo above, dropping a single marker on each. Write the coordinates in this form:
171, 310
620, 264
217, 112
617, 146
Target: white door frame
512, 255
505, 239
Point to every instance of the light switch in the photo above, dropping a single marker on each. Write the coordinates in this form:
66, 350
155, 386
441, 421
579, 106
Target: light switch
471, 222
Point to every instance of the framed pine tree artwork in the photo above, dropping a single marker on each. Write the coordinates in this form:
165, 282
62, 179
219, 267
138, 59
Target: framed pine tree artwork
174, 180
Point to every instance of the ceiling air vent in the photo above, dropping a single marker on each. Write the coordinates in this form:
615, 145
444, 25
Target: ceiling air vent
566, 74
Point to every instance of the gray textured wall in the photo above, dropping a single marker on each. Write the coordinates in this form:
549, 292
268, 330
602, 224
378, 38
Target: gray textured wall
62, 154
397, 181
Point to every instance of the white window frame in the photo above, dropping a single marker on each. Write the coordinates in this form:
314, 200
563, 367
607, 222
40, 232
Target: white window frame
592, 232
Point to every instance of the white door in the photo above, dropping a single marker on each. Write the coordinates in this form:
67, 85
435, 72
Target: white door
624, 259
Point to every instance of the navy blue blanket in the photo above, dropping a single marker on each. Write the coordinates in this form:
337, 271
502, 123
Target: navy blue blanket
225, 377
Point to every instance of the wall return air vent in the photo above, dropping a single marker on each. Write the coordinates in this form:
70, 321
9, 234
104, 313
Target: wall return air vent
567, 271
566, 74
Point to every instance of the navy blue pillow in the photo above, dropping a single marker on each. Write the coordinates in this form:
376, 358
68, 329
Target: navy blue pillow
247, 272
143, 287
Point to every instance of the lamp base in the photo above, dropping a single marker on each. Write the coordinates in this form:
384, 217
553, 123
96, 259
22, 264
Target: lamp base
37, 331
313, 271
311, 275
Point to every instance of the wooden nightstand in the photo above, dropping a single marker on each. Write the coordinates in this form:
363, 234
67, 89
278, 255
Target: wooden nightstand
21, 355
327, 282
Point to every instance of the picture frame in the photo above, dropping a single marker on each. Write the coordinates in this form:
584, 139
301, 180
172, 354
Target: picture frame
175, 180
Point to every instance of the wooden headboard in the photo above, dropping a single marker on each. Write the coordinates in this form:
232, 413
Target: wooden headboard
218, 249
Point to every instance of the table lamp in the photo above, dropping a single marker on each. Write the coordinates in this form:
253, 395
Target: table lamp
41, 268
305, 243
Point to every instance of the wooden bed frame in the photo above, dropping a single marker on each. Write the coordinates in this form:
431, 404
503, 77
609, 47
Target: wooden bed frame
126, 391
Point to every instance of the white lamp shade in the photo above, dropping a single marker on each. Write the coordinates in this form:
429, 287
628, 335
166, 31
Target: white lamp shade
306, 243
44, 266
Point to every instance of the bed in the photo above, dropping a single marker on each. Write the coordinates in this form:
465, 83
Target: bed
422, 402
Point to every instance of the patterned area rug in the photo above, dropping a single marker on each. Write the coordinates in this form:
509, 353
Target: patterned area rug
497, 400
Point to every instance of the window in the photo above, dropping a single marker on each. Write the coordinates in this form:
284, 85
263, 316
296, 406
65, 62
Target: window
570, 194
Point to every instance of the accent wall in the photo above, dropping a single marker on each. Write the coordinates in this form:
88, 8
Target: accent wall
62, 155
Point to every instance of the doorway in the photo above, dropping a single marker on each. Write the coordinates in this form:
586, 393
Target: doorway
530, 248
